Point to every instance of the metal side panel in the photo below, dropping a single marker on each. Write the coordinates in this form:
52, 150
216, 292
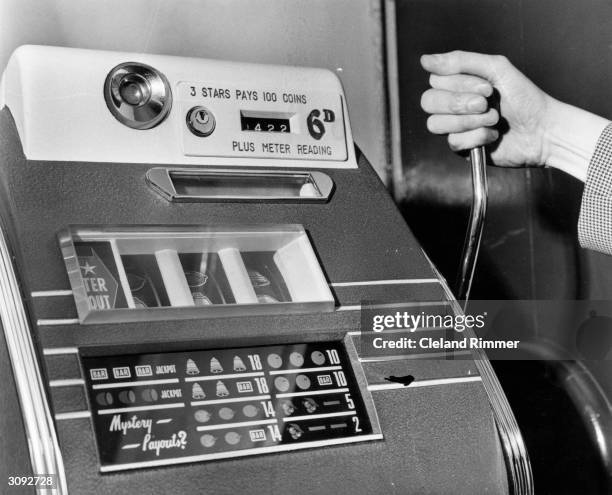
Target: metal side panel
45, 456
14, 461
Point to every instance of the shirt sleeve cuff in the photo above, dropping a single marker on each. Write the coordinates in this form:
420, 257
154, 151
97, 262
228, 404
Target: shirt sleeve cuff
595, 220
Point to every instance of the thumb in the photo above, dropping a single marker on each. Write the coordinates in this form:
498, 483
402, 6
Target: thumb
489, 67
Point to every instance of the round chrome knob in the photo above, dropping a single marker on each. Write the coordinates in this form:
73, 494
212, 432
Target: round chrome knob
137, 95
134, 90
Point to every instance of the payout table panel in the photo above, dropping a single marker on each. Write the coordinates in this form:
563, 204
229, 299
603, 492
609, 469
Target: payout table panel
154, 409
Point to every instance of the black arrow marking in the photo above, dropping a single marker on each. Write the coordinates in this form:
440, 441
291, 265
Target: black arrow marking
404, 380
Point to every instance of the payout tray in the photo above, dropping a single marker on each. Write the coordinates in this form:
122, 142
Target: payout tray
141, 273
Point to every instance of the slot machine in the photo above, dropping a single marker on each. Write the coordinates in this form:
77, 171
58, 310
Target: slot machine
187, 246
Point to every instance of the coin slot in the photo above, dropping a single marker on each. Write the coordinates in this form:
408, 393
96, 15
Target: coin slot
240, 185
235, 185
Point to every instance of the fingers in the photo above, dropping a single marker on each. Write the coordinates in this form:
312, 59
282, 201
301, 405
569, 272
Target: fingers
447, 102
450, 124
472, 139
489, 67
461, 83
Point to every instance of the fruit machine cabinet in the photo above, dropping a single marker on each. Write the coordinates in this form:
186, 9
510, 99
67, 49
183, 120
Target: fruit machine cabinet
186, 249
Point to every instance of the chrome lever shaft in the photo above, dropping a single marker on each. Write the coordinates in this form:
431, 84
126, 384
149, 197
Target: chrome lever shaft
478, 212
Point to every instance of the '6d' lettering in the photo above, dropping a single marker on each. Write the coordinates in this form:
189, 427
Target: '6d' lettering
316, 127
314, 124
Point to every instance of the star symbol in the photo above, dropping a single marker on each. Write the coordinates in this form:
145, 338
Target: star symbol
88, 269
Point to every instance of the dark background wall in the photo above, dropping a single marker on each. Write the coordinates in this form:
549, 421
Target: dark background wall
529, 249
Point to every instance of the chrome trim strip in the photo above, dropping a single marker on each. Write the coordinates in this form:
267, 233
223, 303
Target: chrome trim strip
45, 455
518, 465
320, 416
358, 307
240, 453
67, 382
304, 370
141, 383
73, 415
328, 391
59, 351
435, 382
118, 410
236, 425
229, 401
51, 293
55, 322
223, 377
398, 330
398, 357
393, 99
400, 281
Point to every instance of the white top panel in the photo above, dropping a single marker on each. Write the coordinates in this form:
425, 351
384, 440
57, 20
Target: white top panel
262, 112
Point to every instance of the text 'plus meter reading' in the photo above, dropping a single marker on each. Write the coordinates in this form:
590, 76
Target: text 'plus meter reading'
262, 123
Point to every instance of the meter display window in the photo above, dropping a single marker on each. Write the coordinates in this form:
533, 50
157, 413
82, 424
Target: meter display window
264, 123
143, 273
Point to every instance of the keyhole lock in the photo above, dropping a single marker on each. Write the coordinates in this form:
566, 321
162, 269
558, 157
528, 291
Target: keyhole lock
201, 121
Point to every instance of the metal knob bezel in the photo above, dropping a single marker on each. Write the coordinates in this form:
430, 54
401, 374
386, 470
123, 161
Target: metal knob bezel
154, 107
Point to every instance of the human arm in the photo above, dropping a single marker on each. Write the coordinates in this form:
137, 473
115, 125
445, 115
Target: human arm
540, 130
537, 129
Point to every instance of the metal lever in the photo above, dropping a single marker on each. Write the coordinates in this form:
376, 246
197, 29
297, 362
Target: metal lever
478, 212
517, 457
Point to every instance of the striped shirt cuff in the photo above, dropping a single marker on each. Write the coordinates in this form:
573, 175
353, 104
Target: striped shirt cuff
595, 220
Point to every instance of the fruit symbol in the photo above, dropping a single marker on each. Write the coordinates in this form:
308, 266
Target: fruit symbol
226, 413
288, 407
266, 299
215, 366
207, 440
195, 279
149, 395
281, 384
274, 360
197, 393
296, 359
295, 431
232, 438
202, 416
257, 279
200, 299
139, 303
192, 368
310, 405
318, 358
196, 282
250, 411
104, 398
127, 397
222, 390
303, 382
135, 281
239, 364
